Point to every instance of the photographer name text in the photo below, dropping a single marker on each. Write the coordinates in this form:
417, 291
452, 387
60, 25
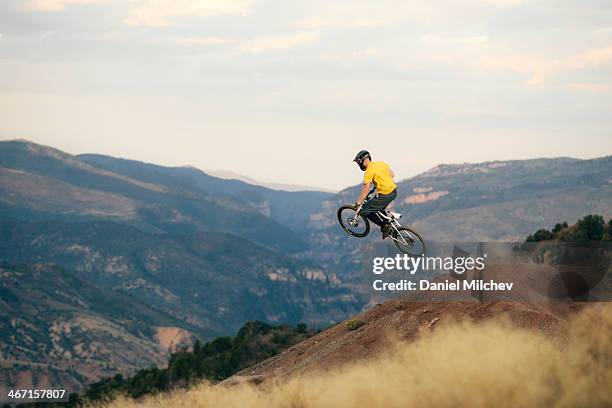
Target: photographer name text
423, 264
423, 284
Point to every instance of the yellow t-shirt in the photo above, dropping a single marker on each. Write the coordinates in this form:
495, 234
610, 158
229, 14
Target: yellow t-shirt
379, 173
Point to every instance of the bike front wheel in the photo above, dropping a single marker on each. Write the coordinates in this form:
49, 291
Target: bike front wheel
352, 222
408, 241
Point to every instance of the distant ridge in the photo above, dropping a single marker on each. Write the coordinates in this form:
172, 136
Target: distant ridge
231, 175
485, 167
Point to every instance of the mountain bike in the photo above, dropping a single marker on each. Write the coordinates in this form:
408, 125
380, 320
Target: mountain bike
407, 240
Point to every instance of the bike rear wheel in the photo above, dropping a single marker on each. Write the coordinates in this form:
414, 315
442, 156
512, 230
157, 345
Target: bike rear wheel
408, 241
354, 224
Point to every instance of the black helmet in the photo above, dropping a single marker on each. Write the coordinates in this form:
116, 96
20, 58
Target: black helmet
361, 156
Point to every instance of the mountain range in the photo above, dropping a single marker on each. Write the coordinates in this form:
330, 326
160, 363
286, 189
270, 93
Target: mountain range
201, 254
104, 255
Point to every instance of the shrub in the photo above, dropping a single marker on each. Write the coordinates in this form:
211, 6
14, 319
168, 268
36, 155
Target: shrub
540, 235
559, 227
589, 228
354, 324
593, 226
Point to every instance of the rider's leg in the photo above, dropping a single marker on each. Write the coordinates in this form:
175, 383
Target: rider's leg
385, 226
378, 203
381, 222
375, 218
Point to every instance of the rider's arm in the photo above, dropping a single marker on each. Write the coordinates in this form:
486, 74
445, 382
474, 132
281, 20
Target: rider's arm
364, 193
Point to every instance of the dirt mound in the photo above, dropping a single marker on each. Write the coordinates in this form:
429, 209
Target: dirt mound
372, 332
417, 314
480, 363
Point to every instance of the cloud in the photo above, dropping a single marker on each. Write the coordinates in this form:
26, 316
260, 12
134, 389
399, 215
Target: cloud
361, 53
592, 58
56, 5
320, 22
590, 87
205, 41
477, 53
603, 33
162, 13
191, 42
281, 42
504, 3
466, 42
537, 69
342, 14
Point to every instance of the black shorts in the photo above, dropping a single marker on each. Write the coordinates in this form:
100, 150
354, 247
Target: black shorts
378, 203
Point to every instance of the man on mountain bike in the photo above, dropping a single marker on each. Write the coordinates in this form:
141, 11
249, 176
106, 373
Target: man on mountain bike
381, 176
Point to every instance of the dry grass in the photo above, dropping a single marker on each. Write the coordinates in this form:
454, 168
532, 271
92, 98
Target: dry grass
489, 364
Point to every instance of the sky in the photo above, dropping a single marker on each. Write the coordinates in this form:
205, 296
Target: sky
289, 91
